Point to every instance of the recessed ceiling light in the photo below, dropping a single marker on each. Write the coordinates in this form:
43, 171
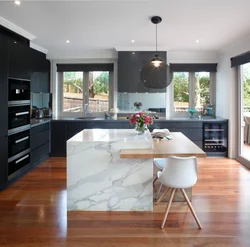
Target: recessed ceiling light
17, 2
132, 41
133, 53
197, 41
67, 41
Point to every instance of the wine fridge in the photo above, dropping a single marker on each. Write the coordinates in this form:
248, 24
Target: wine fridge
215, 137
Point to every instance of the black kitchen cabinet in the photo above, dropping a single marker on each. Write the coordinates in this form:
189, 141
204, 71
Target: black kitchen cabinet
40, 72
3, 110
129, 67
58, 138
19, 60
73, 128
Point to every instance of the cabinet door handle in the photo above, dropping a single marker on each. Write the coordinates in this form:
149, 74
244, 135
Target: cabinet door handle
23, 158
22, 113
22, 139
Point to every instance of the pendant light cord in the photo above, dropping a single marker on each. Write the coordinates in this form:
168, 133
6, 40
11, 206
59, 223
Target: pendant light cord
156, 38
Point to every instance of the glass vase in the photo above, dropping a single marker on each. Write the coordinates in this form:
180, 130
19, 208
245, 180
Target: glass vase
141, 128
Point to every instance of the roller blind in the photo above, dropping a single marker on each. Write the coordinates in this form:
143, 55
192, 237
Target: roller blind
193, 67
240, 59
85, 67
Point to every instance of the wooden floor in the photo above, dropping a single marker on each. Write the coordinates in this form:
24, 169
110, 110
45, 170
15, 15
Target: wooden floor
33, 213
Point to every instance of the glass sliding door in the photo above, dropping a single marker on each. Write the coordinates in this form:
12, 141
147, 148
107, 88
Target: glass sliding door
244, 106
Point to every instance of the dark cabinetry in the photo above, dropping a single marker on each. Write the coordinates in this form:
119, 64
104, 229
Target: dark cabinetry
3, 110
19, 60
58, 139
193, 130
40, 142
40, 72
129, 67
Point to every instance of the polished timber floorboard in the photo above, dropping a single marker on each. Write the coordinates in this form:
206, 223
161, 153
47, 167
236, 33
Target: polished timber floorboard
33, 213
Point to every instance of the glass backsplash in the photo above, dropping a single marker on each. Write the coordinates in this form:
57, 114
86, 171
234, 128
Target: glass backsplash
155, 101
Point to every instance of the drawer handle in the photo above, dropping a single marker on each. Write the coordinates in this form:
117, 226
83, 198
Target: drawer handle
22, 113
22, 139
23, 158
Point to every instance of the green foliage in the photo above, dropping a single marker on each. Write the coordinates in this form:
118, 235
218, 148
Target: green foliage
204, 90
181, 87
101, 83
75, 79
247, 92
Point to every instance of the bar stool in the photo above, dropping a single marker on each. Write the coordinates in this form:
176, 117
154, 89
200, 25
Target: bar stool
160, 163
179, 173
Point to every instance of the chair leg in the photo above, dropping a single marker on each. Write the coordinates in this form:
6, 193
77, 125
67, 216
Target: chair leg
191, 208
163, 195
154, 183
158, 192
168, 207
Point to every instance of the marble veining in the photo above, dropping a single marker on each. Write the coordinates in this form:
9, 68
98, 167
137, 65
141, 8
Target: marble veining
98, 180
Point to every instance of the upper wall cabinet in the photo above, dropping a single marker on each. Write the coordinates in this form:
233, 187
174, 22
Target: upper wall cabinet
40, 72
19, 60
129, 67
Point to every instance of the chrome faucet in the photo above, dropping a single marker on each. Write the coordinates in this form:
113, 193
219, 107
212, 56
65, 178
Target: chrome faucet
87, 112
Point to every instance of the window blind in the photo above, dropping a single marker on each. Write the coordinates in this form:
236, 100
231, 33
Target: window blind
85, 67
193, 67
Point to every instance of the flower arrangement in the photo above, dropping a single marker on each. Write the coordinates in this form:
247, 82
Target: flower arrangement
137, 104
141, 121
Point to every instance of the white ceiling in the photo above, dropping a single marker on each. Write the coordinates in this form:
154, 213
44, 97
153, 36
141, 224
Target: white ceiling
106, 25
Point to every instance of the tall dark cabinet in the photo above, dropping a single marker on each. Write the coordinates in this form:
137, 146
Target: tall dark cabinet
3, 110
19, 60
129, 66
22, 70
39, 72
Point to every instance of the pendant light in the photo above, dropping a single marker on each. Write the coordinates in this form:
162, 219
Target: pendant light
156, 74
156, 61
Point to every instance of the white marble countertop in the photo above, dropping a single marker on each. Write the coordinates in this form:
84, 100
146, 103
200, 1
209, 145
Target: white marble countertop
128, 138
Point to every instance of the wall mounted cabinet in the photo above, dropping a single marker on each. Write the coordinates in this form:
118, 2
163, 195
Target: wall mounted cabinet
19, 60
40, 72
129, 67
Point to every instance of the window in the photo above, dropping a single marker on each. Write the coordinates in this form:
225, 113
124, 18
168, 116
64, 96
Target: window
80, 88
181, 91
191, 90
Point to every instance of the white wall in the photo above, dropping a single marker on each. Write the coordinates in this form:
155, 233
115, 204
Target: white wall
226, 93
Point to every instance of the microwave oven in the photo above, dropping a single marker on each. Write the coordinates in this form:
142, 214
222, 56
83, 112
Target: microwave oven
19, 91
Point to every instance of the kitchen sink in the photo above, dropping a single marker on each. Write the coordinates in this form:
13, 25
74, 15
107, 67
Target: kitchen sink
85, 118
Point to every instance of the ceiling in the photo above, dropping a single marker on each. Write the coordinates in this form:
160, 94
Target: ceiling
107, 25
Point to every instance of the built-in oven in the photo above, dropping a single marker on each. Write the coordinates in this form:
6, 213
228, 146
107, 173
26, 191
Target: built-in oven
19, 118
19, 91
18, 143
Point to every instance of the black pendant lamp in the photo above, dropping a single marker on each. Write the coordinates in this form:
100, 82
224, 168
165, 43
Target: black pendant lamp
156, 73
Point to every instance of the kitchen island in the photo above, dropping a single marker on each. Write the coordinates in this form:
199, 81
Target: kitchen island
99, 180
112, 169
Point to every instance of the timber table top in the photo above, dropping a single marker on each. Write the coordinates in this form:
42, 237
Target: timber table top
179, 145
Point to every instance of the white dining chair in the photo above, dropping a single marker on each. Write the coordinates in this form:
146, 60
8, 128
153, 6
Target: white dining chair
179, 173
160, 163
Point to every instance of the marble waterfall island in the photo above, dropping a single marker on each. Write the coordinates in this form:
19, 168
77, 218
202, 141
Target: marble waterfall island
99, 180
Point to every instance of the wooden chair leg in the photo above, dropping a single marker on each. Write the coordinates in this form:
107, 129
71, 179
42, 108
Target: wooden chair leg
158, 192
191, 208
168, 207
163, 195
154, 184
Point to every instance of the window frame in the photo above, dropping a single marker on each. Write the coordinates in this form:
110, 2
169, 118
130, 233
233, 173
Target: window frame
85, 94
191, 84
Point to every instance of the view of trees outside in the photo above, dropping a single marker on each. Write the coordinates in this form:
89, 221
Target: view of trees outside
202, 88
73, 91
181, 94
181, 90
246, 85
